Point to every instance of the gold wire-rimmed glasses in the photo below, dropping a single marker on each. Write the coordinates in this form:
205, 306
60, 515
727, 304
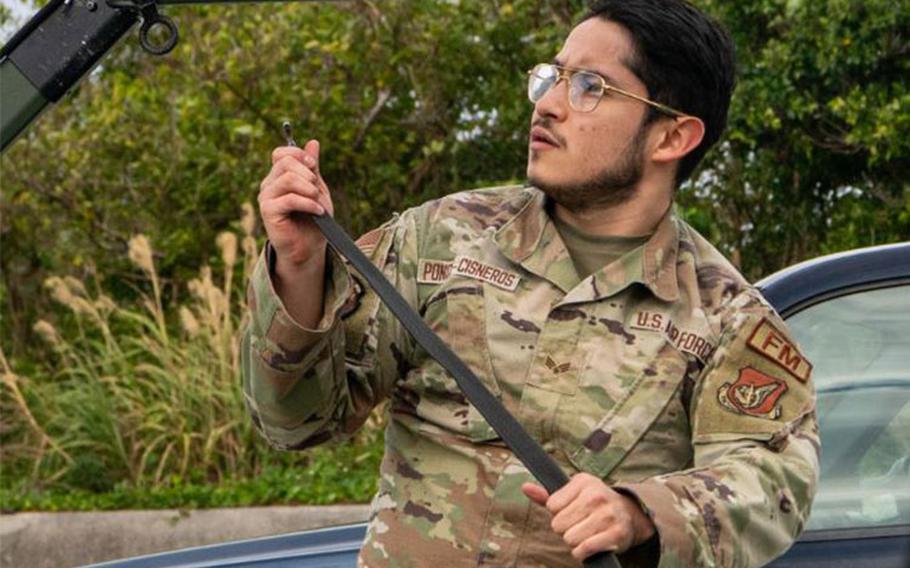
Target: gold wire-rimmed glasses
586, 88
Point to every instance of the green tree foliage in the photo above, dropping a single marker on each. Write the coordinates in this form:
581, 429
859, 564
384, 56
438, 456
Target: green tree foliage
410, 100
817, 154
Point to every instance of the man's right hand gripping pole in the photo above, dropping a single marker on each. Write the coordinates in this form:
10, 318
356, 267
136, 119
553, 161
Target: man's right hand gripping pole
292, 191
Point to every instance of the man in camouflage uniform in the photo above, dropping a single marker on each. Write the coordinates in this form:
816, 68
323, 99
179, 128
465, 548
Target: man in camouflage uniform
639, 358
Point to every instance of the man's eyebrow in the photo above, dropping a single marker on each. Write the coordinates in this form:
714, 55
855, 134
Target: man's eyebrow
607, 78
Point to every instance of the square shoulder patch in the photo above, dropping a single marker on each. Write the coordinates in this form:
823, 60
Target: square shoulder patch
368, 241
775, 346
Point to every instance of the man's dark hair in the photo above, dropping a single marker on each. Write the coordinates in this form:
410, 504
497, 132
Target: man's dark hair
685, 59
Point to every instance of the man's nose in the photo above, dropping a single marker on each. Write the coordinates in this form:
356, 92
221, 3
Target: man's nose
555, 102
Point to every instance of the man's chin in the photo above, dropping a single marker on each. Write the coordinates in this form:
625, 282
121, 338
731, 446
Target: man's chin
554, 188
577, 195
538, 159
544, 174
541, 181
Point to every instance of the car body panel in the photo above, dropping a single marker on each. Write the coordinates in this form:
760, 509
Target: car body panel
849, 548
334, 547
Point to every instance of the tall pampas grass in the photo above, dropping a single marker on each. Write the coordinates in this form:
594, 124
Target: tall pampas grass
141, 393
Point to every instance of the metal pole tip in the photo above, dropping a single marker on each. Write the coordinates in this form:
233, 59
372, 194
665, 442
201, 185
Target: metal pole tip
286, 126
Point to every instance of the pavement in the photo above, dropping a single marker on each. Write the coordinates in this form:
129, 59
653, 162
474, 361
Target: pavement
64, 540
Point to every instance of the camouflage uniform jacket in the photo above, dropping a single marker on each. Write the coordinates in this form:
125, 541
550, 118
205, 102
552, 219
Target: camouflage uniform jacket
666, 374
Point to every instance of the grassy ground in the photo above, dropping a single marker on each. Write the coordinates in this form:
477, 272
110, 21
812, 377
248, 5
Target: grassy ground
342, 474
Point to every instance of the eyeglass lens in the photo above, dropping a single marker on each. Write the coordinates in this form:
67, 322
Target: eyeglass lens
540, 80
585, 89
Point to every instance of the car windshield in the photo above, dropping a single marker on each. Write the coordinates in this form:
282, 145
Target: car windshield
860, 347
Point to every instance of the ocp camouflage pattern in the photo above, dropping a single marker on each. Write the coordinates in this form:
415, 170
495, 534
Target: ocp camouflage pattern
656, 374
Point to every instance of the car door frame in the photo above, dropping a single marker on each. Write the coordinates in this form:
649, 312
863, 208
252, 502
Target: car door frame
800, 287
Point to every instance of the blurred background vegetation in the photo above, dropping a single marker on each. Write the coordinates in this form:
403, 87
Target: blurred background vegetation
126, 239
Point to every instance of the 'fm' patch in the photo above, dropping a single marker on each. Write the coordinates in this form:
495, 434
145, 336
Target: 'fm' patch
499, 277
754, 393
773, 344
433, 271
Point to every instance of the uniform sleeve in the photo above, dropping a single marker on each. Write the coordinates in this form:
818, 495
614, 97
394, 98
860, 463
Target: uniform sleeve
303, 386
756, 450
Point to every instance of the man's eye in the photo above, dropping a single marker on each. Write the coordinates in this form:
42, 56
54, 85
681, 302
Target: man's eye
587, 84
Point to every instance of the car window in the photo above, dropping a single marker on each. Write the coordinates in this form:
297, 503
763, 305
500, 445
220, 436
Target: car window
859, 345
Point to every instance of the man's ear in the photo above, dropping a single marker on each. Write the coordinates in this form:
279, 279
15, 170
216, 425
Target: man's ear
677, 138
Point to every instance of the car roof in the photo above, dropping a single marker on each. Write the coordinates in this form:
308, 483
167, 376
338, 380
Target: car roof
802, 285
323, 548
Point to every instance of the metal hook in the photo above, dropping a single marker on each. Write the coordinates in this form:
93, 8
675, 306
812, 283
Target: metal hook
150, 19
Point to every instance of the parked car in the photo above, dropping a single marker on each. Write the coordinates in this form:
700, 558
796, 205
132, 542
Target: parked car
851, 314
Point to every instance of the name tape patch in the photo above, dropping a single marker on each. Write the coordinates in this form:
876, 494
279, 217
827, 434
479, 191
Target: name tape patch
433, 271
685, 341
499, 277
437, 271
773, 344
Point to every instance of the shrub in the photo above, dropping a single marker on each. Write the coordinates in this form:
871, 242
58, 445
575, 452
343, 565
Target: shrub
138, 396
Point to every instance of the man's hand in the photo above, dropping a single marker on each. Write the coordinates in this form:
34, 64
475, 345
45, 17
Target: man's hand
293, 186
591, 517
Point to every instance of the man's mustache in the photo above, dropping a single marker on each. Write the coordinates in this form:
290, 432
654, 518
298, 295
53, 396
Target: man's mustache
547, 124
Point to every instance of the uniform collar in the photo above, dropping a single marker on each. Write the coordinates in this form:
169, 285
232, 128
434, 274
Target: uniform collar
531, 240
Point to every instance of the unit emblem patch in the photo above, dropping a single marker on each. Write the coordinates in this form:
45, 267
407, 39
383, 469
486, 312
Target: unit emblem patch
754, 393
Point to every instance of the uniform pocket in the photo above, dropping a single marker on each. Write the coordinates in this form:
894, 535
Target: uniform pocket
620, 397
456, 313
